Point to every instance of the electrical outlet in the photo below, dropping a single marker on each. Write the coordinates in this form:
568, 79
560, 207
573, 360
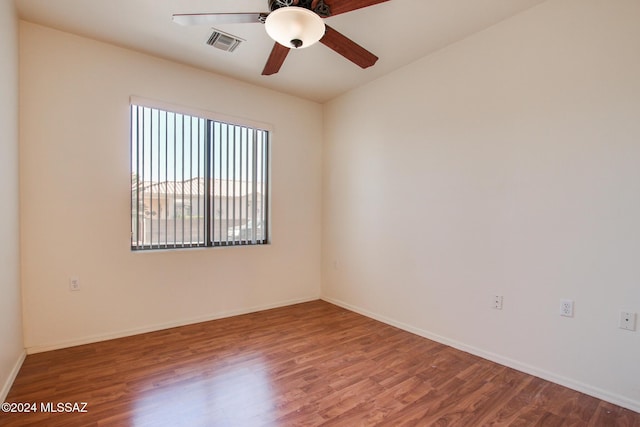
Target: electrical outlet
74, 284
628, 320
497, 302
566, 307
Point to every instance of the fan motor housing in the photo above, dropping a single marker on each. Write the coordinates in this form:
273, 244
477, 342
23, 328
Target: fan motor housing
321, 7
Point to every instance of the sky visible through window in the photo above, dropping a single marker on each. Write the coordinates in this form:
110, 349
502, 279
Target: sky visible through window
171, 146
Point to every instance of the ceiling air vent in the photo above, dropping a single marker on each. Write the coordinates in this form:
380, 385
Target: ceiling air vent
224, 41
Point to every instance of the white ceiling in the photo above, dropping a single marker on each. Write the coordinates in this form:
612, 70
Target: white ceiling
398, 32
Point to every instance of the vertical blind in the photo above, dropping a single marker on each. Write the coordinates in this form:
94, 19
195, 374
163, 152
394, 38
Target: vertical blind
196, 181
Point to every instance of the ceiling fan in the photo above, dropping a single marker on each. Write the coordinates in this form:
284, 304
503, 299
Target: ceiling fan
295, 24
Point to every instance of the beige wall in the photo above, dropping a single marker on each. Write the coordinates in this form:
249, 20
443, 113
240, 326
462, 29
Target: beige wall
11, 345
508, 163
75, 212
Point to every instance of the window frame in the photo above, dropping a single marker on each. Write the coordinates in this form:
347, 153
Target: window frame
209, 233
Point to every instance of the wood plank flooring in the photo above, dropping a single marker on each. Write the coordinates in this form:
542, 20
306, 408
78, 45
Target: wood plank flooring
309, 364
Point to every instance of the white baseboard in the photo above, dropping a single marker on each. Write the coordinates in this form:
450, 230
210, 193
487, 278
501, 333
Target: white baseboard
12, 376
159, 327
505, 361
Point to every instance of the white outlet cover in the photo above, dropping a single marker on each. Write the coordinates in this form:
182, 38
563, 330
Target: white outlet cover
497, 302
566, 307
628, 320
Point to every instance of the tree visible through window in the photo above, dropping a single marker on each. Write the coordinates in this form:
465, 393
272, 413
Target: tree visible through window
196, 181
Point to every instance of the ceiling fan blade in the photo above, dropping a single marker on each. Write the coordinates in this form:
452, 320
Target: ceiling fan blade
348, 48
276, 59
341, 6
217, 18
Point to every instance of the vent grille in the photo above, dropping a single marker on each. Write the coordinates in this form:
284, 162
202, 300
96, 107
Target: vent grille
224, 41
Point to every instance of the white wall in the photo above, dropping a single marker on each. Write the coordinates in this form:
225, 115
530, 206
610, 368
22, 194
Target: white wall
508, 163
11, 345
75, 184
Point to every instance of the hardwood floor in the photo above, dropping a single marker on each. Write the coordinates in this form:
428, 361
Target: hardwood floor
305, 365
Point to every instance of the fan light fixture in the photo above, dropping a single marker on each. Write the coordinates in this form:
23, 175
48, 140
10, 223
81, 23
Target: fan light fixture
294, 26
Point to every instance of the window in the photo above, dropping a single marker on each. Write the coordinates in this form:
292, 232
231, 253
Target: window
196, 181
